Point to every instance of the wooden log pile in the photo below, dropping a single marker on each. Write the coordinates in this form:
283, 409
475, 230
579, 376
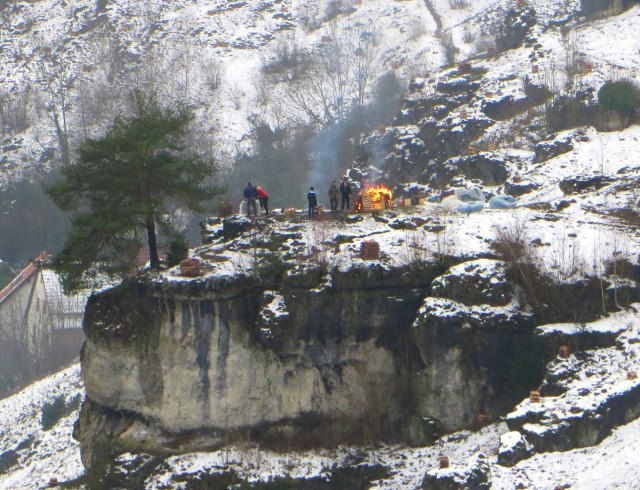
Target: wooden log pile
370, 250
190, 268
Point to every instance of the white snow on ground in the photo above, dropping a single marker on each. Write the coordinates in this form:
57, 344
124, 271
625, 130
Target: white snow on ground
614, 323
580, 236
42, 454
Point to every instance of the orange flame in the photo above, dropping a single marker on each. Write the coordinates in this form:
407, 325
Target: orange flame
375, 198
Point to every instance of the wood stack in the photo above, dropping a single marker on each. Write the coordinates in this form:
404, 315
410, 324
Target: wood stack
534, 396
290, 212
190, 268
631, 375
564, 351
444, 461
370, 250
367, 203
464, 68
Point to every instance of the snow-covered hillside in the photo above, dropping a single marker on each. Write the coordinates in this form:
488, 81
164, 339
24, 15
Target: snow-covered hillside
30, 454
78, 60
73, 61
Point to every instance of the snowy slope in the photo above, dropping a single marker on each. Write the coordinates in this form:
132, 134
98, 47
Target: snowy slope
92, 54
181, 38
31, 455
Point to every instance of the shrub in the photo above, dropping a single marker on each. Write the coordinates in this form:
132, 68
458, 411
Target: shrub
52, 412
178, 250
621, 96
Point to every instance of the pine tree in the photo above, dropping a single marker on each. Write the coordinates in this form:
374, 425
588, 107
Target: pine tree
123, 186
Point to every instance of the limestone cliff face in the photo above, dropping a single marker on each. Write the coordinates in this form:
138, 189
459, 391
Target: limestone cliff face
353, 356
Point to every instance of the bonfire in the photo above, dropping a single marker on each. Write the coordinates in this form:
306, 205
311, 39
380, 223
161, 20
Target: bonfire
373, 199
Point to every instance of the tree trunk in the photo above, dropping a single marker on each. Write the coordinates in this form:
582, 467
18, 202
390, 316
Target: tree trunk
153, 246
63, 140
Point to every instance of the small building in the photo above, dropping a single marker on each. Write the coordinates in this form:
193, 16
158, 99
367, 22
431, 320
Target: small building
40, 326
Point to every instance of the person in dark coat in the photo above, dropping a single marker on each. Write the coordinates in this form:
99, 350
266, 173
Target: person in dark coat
333, 196
345, 192
313, 201
251, 194
263, 197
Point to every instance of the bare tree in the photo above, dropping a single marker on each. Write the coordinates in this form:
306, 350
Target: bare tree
26, 342
336, 80
57, 80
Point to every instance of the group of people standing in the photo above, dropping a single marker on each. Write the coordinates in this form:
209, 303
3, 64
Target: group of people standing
343, 189
254, 193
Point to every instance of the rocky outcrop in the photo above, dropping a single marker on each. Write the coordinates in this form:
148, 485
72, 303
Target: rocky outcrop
546, 150
489, 168
475, 282
426, 130
357, 355
584, 183
584, 395
513, 449
517, 23
475, 474
517, 189
589, 8
509, 106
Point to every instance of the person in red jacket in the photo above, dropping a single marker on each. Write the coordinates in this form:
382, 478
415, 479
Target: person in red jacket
263, 197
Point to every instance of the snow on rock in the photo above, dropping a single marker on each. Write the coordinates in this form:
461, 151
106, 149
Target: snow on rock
474, 474
590, 393
513, 448
481, 281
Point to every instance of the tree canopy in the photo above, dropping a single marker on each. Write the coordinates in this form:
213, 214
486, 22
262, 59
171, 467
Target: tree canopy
122, 187
621, 96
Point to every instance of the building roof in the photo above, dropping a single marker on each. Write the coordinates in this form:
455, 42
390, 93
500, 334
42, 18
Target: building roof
66, 310
22, 278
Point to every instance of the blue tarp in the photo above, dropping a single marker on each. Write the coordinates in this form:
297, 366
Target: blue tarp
469, 195
471, 207
503, 202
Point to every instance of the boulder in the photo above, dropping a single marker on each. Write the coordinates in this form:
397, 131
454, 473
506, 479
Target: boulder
515, 28
582, 183
482, 281
589, 8
513, 449
519, 189
489, 168
545, 150
474, 474
234, 226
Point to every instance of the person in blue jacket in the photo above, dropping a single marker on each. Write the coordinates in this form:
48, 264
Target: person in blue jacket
251, 195
313, 202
